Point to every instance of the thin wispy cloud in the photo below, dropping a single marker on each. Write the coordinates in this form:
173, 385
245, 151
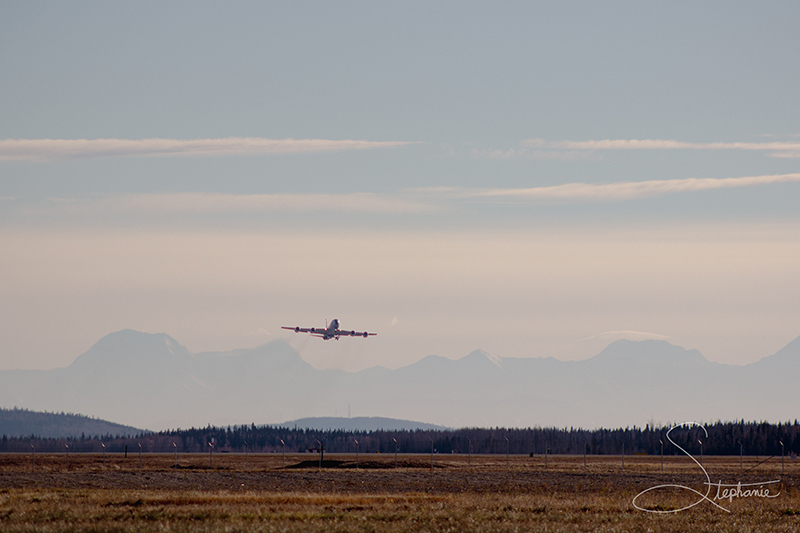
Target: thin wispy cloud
217, 203
409, 201
627, 190
544, 149
656, 144
55, 149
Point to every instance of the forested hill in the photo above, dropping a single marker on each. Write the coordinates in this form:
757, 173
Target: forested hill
23, 423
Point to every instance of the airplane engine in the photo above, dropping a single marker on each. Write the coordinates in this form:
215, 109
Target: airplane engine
297, 329
352, 333
365, 334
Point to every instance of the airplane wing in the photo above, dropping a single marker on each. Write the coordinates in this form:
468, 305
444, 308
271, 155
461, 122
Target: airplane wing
353, 333
304, 330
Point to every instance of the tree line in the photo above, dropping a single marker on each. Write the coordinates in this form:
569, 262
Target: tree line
723, 438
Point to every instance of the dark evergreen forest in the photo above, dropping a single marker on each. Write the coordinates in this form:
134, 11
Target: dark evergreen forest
724, 438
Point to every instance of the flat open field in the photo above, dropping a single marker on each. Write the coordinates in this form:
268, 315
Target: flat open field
481, 493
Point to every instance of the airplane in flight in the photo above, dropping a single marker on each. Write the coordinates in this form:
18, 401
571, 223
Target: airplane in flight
331, 331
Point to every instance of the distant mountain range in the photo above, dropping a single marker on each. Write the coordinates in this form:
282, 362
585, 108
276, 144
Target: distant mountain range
25, 423
151, 381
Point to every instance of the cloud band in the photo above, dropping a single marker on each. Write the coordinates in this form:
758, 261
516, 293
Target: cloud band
627, 190
191, 203
544, 149
54, 149
655, 144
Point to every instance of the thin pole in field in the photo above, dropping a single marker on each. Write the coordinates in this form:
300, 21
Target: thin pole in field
284, 453
104, 455
741, 453
662, 454
140, 456
356, 453
508, 449
176, 455
395, 452
430, 439
33, 458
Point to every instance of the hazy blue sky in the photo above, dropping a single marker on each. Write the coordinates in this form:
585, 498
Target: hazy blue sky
530, 178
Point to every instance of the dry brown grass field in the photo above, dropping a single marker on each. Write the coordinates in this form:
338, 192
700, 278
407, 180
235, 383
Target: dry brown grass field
481, 493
